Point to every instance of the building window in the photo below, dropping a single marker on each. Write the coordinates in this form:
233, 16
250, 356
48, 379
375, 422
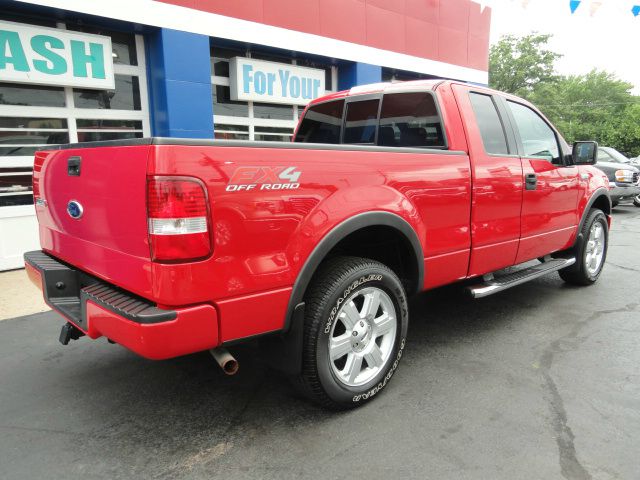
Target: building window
394, 75
126, 95
223, 105
272, 111
21, 137
232, 132
33, 116
24, 95
95, 130
234, 120
15, 187
273, 134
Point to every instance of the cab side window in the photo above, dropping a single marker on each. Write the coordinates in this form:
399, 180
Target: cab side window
321, 123
410, 120
489, 123
360, 122
538, 138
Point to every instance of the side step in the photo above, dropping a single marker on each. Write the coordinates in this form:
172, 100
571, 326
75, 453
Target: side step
495, 285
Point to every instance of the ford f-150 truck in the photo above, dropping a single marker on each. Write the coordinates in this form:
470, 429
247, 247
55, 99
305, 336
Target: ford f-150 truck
172, 246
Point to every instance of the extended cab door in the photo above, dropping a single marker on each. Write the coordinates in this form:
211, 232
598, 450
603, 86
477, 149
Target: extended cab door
550, 195
496, 198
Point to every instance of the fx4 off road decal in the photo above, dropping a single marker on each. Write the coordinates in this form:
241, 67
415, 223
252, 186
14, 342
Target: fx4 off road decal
264, 178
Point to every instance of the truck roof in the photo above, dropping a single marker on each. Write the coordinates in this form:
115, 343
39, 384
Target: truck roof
382, 87
412, 86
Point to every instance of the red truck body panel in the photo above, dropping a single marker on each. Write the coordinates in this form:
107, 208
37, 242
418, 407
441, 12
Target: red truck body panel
468, 209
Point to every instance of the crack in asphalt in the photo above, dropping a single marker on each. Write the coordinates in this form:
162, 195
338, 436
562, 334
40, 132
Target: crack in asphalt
623, 267
38, 430
570, 466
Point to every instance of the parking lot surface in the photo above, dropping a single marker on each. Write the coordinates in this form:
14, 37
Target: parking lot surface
539, 382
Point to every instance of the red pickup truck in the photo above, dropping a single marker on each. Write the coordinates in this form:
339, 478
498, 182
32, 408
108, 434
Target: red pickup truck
173, 246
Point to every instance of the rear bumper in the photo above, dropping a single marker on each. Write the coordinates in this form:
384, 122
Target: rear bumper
99, 309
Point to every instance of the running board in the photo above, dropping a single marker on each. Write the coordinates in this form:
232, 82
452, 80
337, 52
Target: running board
495, 285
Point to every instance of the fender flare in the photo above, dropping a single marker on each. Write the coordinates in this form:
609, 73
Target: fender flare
338, 233
600, 192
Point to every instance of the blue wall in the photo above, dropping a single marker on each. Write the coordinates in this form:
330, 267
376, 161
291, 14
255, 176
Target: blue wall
180, 94
351, 74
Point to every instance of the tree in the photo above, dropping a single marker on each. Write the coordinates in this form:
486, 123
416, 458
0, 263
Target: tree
623, 131
596, 106
518, 65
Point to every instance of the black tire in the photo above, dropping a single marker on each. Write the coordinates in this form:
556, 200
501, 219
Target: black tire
636, 200
578, 274
338, 280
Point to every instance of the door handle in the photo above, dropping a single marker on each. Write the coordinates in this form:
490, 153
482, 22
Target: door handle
530, 181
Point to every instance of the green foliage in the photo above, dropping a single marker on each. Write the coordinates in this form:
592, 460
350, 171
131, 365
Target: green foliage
596, 106
517, 65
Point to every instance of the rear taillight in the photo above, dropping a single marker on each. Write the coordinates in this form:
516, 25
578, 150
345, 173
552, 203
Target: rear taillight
178, 218
38, 163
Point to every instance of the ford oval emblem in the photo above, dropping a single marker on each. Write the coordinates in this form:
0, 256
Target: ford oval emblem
74, 209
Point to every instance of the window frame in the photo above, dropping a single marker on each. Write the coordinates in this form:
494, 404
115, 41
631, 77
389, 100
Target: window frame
505, 121
562, 157
356, 99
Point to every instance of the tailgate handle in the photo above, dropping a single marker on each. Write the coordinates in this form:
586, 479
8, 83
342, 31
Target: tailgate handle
73, 166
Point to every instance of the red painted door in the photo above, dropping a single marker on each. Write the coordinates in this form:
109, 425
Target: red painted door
550, 196
497, 181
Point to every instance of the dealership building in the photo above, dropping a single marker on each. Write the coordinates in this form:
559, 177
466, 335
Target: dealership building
88, 70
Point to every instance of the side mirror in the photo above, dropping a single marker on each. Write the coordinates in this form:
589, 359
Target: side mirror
585, 153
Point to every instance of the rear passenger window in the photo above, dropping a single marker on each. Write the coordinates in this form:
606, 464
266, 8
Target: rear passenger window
361, 121
410, 120
321, 123
489, 123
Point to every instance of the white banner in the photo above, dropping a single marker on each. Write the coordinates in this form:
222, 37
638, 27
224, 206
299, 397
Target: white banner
271, 82
52, 56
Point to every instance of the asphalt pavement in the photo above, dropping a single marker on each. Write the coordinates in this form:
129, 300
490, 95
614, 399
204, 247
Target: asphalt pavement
539, 382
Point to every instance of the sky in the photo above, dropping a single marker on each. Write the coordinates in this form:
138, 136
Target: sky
601, 34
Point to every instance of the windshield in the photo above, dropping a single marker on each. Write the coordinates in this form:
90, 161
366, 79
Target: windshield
617, 156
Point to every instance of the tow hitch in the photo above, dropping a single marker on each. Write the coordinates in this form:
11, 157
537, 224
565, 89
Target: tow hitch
69, 332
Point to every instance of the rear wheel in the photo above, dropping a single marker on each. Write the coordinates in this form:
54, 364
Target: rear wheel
636, 200
590, 253
356, 320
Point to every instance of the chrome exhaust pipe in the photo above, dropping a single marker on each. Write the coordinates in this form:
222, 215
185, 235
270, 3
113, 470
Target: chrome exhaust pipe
227, 362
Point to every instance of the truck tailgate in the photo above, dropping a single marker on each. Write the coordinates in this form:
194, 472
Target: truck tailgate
91, 208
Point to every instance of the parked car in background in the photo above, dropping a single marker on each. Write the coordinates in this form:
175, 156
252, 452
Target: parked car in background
624, 178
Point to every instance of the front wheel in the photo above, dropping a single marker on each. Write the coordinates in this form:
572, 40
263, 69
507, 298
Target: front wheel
356, 320
636, 200
590, 253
